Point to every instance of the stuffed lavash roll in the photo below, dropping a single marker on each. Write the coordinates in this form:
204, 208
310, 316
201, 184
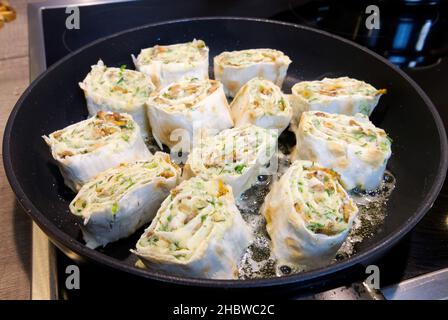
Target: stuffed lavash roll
172, 63
351, 146
197, 232
236, 156
342, 95
262, 103
84, 149
188, 105
235, 68
120, 200
308, 215
118, 90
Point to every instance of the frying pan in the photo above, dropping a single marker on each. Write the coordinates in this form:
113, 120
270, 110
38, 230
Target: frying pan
53, 101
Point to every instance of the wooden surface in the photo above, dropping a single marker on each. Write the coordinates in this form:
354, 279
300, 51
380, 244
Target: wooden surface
15, 226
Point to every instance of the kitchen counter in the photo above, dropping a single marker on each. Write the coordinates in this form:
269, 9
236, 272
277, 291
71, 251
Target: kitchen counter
15, 225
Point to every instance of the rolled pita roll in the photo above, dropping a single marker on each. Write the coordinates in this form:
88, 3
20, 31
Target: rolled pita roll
120, 200
262, 103
197, 232
84, 149
235, 68
172, 63
188, 105
351, 146
308, 215
118, 90
342, 95
235, 156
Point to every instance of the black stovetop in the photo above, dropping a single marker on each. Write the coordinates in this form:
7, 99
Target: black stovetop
413, 37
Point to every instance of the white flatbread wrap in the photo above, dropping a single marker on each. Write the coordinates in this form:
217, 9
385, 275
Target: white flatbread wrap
237, 156
118, 90
308, 215
120, 200
351, 146
235, 68
262, 103
342, 95
172, 63
190, 104
197, 232
84, 149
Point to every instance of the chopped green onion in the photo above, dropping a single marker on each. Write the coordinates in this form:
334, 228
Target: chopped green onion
314, 226
115, 208
239, 168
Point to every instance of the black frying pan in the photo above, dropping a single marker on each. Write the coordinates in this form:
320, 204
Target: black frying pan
54, 101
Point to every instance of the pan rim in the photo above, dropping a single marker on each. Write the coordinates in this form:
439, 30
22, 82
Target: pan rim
60, 238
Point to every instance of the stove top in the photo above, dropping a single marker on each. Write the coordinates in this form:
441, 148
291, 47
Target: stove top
412, 35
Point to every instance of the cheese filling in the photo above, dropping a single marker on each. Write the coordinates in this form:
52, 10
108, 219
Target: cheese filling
357, 131
108, 188
187, 217
248, 57
234, 151
92, 134
328, 88
265, 98
320, 199
189, 53
186, 95
132, 88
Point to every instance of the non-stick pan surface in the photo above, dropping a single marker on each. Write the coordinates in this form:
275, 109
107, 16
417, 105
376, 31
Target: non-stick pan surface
54, 100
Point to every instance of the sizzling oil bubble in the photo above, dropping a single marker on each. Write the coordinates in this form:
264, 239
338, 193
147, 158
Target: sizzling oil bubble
258, 261
151, 144
372, 212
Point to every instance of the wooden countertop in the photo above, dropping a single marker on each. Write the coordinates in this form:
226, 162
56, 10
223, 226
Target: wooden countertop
15, 225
